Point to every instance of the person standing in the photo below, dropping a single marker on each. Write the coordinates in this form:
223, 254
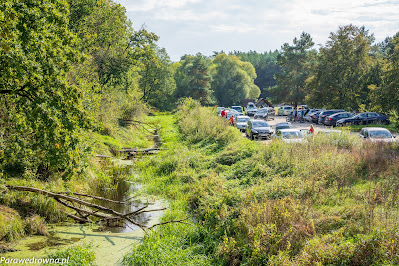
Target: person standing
311, 130
223, 113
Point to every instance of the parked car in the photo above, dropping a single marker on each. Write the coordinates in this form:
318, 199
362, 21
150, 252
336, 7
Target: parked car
364, 119
242, 121
331, 120
238, 109
258, 129
283, 125
324, 114
231, 112
290, 135
285, 110
377, 134
264, 113
313, 116
251, 109
328, 132
220, 109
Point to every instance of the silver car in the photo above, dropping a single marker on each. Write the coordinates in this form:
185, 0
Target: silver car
290, 135
242, 121
378, 134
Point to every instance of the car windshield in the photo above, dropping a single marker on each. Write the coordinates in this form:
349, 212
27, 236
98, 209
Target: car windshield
260, 124
380, 134
262, 111
283, 127
237, 108
292, 135
243, 119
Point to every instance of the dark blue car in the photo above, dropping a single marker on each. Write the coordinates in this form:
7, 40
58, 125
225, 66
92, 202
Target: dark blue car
324, 114
364, 119
332, 119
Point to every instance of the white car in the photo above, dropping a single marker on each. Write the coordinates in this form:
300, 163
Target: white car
242, 121
379, 134
290, 135
285, 110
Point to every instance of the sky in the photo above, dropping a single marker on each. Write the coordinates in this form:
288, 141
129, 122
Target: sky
205, 26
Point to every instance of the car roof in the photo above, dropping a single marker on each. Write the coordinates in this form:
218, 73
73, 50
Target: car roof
341, 113
243, 116
284, 123
290, 130
330, 131
259, 120
375, 128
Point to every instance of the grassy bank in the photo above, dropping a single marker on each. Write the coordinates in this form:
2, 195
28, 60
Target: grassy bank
327, 201
23, 214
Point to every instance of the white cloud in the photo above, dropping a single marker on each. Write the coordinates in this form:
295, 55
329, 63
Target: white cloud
150, 5
186, 25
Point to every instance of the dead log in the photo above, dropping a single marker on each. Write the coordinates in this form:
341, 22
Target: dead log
96, 197
106, 214
77, 200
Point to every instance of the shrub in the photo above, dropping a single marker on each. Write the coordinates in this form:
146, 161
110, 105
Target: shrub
11, 224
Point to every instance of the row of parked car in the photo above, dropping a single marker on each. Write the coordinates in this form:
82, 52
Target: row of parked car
265, 113
260, 129
343, 118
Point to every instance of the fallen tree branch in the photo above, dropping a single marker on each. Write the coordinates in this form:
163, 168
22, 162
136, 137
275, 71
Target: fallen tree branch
96, 197
100, 211
77, 200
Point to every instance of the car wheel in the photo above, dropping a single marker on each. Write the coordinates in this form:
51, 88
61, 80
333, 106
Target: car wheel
252, 137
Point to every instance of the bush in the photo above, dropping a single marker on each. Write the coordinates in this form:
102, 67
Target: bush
11, 224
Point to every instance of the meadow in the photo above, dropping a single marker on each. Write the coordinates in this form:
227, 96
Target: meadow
327, 201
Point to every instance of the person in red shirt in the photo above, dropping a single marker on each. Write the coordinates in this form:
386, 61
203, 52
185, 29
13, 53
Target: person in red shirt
311, 130
223, 114
231, 120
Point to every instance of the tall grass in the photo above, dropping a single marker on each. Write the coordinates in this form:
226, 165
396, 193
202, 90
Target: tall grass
329, 200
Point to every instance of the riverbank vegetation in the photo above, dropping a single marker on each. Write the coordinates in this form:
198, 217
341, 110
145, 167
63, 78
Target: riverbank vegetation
326, 201
79, 79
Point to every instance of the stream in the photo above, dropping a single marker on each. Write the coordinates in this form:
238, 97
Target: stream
109, 244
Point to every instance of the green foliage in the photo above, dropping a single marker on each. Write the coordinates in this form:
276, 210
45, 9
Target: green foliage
266, 68
11, 224
156, 82
385, 96
233, 80
78, 255
42, 114
201, 125
342, 73
193, 78
170, 245
309, 203
296, 63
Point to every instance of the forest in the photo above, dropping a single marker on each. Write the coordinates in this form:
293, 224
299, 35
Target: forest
78, 79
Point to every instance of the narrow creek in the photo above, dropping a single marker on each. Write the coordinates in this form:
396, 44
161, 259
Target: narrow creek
109, 244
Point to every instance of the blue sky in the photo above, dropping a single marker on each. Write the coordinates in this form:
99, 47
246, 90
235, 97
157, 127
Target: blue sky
192, 26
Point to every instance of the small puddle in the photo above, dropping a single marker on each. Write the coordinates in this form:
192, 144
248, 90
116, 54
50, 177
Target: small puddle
110, 243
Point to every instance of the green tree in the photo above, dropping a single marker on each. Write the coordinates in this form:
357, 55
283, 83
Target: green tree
41, 113
233, 80
342, 75
193, 78
156, 79
266, 68
296, 65
385, 96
